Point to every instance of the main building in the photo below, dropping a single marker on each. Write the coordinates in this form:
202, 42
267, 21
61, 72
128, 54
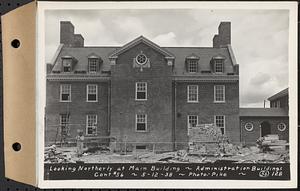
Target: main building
141, 94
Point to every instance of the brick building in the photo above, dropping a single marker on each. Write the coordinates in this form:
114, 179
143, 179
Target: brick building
258, 122
141, 94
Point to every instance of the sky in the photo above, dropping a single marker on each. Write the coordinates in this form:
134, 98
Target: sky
259, 38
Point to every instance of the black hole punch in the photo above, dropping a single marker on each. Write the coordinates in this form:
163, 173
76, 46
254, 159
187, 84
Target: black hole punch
15, 43
16, 146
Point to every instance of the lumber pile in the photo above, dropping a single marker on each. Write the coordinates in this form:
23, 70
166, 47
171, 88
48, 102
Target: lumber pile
272, 143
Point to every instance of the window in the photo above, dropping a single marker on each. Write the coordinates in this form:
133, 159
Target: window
67, 62
141, 59
278, 103
65, 92
93, 65
219, 66
141, 91
141, 122
220, 122
91, 124
192, 120
64, 125
219, 93
249, 126
192, 66
281, 126
92, 93
192, 93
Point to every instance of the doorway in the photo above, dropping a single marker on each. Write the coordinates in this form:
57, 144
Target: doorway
265, 128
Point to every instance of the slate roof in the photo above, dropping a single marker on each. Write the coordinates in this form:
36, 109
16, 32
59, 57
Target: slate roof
279, 94
205, 54
263, 112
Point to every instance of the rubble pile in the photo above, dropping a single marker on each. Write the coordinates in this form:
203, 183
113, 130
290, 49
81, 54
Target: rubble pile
51, 155
272, 143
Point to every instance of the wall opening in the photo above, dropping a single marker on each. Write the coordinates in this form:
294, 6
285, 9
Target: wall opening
265, 128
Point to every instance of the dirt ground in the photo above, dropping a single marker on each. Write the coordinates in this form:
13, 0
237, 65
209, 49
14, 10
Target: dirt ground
245, 155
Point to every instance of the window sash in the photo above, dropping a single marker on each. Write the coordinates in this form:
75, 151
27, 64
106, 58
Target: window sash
64, 122
192, 120
141, 91
220, 122
65, 92
93, 62
219, 93
91, 124
92, 93
66, 63
192, 93
193, 66
141, 122
219, 66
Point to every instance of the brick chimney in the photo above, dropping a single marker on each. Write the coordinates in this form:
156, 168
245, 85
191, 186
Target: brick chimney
223, 37
67, 36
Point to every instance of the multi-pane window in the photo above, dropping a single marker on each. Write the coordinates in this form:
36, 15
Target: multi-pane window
220, 122
65, 92
141, 91
92, 93
219, 66
192, 91
64, 125
93, 65
141, 122
91, 124
219, 93
192, 120
192, 66
67, 63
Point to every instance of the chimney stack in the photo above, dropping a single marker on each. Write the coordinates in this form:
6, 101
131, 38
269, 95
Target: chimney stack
223, 37
67, 36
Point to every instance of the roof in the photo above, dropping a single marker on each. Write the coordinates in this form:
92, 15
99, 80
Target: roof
263, 112
280, 94
205, 55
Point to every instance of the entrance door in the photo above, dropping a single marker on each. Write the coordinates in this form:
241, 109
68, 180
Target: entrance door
265, 128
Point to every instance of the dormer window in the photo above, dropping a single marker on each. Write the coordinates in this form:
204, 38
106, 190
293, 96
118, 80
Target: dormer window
67, 65
192, 66
93, 65
219, 66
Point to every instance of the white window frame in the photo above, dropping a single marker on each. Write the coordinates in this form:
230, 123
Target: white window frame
65, 124
215, 94
94, 61
136, 91
192, 64
87, 124
224, 122
87, 92
61, 92
188, 94
278, 103
63, 64
136, 122
221, 62
189, 124
247, 128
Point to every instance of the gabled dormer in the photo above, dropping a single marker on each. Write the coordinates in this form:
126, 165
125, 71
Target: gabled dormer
67, 63
217, 64
94, 62
192, 63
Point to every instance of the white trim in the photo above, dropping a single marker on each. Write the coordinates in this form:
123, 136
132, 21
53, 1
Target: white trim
146, 128
87, 92
224, 95
146, 91
252, 126
215, 120
284, 126
86, 124
188, 124
188, 93
60, 93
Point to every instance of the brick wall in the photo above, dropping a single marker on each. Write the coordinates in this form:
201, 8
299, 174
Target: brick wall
158, 107
250, 137
78, 108
205, 109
